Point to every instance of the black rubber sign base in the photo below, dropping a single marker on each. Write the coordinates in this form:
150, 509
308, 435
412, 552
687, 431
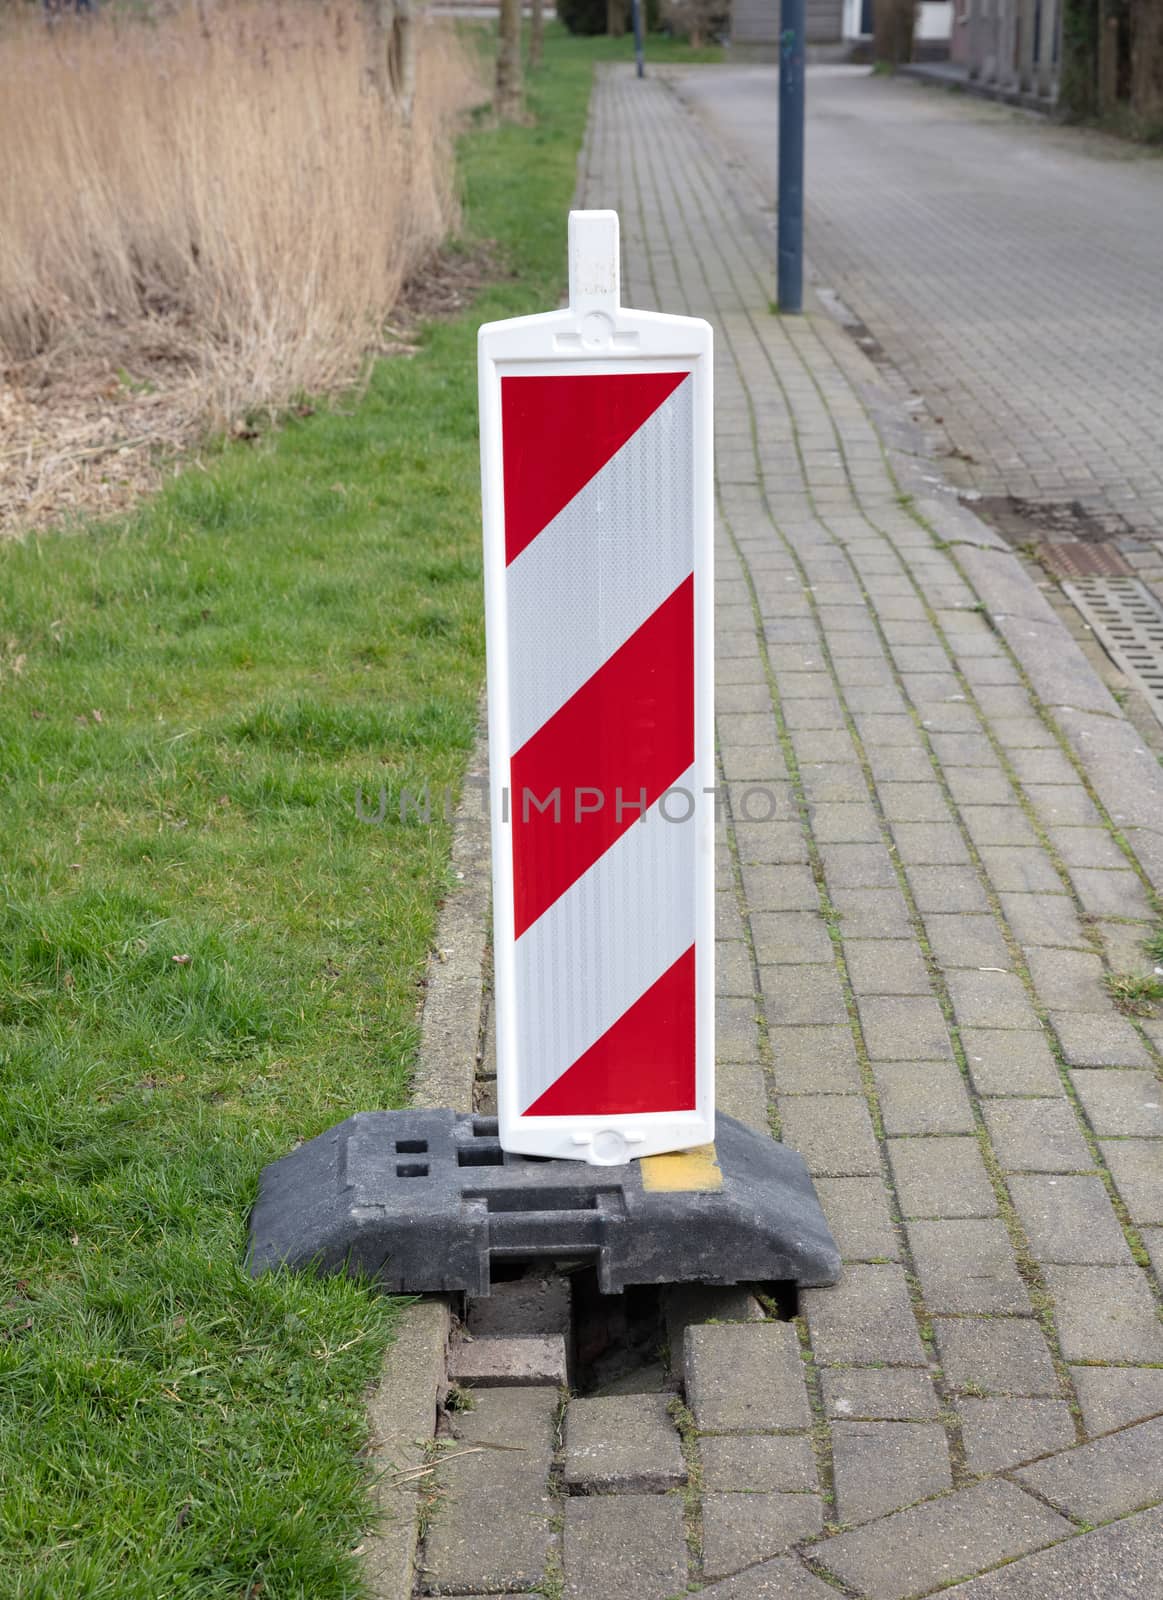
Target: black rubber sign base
426, 1200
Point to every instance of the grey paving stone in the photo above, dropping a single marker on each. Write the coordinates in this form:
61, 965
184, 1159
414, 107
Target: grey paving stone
729, 922
1036, 1136
845, 823
1105, 1478
903, 1028
502, 1361
1110, 894
1105, 1314
1042, 767
928, 1545
741, 1091
879, 1394
866, 1317
779, 889
1068, 980
1137, 1168
1123, 942
838, 781
926, 1097
625, 1547
941, 1177
999, 824
1095, 1041
914, 802
886, 967
872, 913
687, 1304
521, 1421
1044, 919
774, 843
745, 1376
1111, 1397
1062, 804
1001, 1355
857, 866
790, 936
946, 889
741, 1529
814, 1060
1088, 847
858, 1215
1069, 1219
971, 786
1017, 871
524, 1306
800, 995
966, 940
930, 843
622, 1442
733, 973
820, 745
1119, 1562
893, 764
744, 728
490, 1539
1010, 1062
999, 1433
832, 1132
736, 1028
1153, 1239
759, 1463
781, 1579
967, 1266
990, 1000
881, 1466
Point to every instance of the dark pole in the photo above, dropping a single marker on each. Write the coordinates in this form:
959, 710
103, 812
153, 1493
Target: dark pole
639, 54
790, 276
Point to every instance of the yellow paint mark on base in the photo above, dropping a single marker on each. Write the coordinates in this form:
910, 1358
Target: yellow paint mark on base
682, 1169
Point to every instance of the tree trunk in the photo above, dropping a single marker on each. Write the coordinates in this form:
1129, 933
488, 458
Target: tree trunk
1078, 76
510, 101
894, 22
536, 32
615, 18
1147, 64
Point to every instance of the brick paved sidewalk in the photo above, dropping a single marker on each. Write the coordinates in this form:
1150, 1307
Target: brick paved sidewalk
913, 964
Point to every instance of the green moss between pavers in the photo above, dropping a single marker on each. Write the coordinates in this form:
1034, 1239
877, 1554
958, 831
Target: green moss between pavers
205, 955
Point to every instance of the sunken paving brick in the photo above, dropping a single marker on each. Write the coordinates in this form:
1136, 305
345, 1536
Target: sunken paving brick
881, 1466
502, 1435
741, 1529
624, 1547
955, 1536
493, 1539
745, 1376
622, 1442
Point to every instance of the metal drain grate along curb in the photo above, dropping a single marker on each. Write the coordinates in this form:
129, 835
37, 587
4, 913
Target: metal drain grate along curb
1128, 622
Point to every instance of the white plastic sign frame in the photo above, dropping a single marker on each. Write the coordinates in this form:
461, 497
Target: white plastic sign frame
657, 886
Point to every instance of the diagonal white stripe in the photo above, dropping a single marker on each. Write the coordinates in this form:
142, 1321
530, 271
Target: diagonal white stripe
642, 890
603, 565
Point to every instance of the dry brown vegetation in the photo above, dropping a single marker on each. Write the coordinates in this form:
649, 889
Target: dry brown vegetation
203, 212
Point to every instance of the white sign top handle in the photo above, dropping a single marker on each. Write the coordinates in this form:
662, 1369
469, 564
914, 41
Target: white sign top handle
594, 264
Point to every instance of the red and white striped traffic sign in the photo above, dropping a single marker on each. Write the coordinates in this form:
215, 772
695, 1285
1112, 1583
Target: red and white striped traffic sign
596, 471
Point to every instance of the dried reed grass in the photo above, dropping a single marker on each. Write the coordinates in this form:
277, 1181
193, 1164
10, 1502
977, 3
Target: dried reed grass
220, 190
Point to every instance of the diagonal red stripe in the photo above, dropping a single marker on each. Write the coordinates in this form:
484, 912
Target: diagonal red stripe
628, 729
643, 1062
557, 432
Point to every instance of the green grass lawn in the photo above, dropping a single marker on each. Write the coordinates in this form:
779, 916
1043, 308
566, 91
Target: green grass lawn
205, 955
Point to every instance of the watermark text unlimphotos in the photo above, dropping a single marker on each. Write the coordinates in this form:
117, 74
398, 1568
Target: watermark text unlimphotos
560, 804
